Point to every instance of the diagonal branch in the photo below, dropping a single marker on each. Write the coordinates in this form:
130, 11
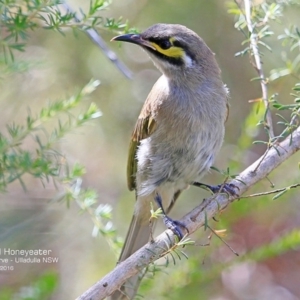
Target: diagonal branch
97, 39
193, 220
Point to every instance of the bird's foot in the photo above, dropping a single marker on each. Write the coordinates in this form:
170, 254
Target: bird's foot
175, 226
227, 188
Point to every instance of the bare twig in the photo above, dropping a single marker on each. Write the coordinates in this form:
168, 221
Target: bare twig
258, 67
192, 221
96, 38
219, 237
271, 192
262, 158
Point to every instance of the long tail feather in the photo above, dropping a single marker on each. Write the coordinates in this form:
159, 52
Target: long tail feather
138, 235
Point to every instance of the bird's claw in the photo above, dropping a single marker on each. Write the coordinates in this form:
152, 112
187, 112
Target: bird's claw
228, 188
175, 225
170, 223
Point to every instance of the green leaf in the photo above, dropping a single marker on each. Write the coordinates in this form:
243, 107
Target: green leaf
279, 194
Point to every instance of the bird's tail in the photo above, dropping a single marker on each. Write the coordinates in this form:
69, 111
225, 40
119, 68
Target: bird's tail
137, 236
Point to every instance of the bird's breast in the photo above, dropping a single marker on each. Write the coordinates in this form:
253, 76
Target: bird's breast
180, 151
188, 134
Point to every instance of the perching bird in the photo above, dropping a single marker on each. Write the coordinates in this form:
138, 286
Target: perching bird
179, 131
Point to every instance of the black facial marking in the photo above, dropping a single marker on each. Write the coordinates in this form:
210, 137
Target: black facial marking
164, 44
179, 44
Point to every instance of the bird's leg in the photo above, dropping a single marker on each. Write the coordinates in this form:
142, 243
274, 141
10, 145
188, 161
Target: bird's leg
170, 223
227, 188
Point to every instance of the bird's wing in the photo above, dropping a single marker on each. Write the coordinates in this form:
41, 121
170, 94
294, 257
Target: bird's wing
144, 127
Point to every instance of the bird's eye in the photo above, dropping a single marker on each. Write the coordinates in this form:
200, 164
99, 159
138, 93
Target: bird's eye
164, 44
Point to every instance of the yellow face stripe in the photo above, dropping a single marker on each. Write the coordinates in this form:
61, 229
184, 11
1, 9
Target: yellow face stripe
175, 52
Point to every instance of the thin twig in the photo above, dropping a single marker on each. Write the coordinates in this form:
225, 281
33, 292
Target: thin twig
218, 236
292, 124
262, 158
258, 67
97, 39
271, 192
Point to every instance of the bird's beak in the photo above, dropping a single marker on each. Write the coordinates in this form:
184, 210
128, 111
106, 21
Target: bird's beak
134, 39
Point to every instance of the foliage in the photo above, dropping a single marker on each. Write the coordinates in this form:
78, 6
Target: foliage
256, 25
44, 161
41, 160
86, 199
18, 18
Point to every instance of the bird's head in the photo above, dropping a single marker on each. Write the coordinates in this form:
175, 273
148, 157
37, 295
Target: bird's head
175, 49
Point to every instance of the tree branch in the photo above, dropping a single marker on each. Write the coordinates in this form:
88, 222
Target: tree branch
97, 39
193, 220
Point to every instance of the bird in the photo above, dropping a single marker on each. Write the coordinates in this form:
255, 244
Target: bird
179, 131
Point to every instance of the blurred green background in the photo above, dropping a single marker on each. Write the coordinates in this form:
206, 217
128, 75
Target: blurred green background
30, 220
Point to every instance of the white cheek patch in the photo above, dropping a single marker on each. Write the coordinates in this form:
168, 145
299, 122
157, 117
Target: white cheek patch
188, 61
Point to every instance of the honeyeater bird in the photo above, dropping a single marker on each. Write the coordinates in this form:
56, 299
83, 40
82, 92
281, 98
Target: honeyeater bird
178, 133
